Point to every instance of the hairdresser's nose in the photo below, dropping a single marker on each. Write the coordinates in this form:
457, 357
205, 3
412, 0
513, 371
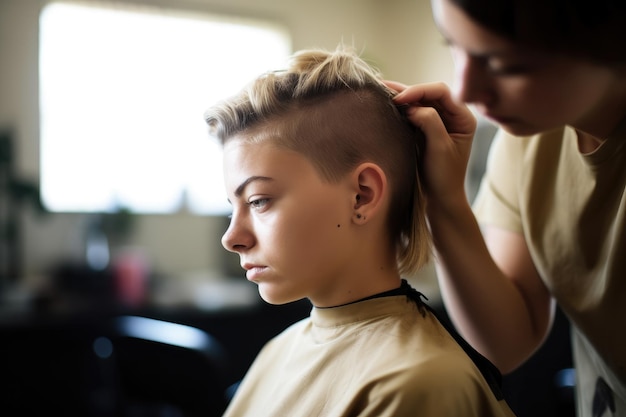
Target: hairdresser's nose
473, 83
238, 237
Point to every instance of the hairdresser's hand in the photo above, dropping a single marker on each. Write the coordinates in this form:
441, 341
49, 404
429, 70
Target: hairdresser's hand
449, 127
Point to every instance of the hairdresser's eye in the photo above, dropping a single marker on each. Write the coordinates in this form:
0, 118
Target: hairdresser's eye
509, 70
502, 68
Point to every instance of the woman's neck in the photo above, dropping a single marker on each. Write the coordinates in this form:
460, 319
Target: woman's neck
592, 135
601, 122
588, 143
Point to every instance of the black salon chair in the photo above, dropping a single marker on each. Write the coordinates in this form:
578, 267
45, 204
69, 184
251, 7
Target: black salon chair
153, 368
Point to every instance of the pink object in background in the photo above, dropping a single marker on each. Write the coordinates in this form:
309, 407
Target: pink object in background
131, 270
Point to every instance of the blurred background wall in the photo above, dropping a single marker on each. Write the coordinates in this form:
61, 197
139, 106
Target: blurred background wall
397, 35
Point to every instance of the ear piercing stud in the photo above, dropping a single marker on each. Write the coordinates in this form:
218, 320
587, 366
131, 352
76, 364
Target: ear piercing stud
358, 215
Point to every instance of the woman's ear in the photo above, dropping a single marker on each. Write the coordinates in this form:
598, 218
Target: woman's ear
370, 187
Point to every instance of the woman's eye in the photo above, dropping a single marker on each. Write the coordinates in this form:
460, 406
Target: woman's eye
513, 69
258, 203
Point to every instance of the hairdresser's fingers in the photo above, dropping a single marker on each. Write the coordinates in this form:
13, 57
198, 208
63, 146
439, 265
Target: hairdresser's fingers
438, 137
457, 118
446, 156
423, 93
395, 86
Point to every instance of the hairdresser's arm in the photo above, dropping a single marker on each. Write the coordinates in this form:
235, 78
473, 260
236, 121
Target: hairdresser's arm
490, 286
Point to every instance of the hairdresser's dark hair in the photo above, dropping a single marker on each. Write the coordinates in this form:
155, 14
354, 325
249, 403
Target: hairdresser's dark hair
333, 108
593, 30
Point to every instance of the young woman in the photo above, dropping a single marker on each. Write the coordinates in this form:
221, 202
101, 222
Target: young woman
552, 205
321, 169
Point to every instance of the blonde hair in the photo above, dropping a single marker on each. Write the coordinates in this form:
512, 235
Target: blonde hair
333, 108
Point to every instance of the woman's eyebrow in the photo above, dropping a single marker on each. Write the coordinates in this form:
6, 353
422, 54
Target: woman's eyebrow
495, 53
240, 189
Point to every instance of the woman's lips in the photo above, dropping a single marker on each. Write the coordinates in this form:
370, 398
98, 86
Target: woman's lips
254, 271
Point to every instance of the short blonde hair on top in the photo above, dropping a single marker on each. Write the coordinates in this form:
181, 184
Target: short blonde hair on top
333, 108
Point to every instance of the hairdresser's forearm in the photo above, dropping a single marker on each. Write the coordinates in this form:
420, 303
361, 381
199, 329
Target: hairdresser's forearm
486, 306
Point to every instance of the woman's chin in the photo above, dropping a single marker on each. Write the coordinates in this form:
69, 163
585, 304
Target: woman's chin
274, 297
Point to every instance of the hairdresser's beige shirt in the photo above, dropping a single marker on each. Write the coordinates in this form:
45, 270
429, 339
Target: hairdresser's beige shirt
571, 208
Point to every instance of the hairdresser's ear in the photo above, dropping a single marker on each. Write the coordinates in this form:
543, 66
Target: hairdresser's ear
370, 190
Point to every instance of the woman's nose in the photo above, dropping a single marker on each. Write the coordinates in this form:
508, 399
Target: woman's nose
472, 82
237, 237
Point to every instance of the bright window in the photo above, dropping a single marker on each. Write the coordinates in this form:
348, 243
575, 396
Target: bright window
122, 97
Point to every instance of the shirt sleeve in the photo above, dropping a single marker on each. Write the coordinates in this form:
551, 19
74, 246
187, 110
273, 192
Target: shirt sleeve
497, 201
